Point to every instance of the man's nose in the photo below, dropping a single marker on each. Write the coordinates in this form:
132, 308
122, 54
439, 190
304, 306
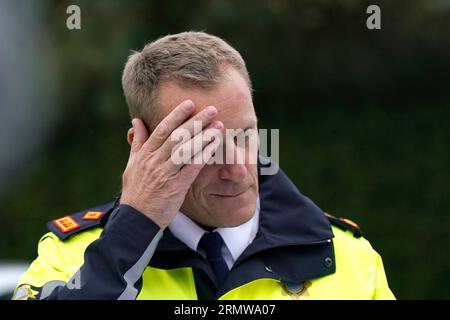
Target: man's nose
233, 172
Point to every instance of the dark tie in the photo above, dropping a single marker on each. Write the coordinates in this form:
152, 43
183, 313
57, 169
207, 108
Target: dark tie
211, 242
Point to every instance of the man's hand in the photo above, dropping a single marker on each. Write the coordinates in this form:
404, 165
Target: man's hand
152, 183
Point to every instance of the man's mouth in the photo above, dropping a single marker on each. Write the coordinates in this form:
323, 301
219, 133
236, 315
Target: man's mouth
228, 195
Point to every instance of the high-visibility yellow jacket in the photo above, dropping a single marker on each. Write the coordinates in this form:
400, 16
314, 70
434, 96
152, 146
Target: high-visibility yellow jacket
115, 252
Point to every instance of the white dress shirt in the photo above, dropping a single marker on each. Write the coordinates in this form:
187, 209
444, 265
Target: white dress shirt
235, 239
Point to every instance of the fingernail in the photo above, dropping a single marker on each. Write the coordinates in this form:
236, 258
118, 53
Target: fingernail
188, 105
218, 125
211, 111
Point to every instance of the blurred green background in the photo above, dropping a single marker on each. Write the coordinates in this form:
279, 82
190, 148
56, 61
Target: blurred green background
363, 115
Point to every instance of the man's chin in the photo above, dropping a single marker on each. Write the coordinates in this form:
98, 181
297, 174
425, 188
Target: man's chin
234, 217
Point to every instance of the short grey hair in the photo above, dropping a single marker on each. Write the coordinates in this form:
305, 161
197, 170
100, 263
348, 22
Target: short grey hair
191, 59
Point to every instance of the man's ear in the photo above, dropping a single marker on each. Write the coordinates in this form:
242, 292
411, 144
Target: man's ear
130, 135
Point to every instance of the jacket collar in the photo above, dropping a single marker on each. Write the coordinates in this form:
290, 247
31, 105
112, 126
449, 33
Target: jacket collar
287, 217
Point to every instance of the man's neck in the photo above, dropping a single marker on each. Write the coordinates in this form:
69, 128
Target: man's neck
207, 228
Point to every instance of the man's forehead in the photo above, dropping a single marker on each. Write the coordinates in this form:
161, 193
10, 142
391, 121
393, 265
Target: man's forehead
201, 97
231, 97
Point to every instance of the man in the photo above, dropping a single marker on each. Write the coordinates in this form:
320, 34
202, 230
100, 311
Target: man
194, 230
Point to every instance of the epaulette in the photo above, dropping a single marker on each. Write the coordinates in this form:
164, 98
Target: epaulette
345, 224
69, 225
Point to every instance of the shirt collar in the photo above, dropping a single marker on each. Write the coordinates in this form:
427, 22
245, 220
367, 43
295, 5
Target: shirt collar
236, 239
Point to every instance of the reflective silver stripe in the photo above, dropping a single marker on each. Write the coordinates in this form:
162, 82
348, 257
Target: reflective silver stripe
136, 271
48, 288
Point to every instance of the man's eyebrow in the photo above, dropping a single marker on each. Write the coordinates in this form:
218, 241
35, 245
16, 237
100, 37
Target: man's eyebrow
247, 127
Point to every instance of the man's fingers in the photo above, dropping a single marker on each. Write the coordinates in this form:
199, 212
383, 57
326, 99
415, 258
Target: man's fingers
140, 134
173, 120
190, 150
189, 172
187, 130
